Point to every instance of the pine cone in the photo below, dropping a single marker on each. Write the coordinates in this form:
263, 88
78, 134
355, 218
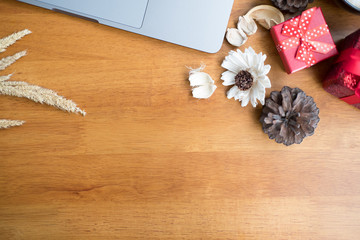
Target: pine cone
289, 116
291, 5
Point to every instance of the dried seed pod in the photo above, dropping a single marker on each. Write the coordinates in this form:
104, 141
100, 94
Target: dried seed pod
248, 25
236, 37
266, 15
203, 85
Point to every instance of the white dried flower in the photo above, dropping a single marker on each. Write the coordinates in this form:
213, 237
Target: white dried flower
7, 61
203, 85
248, 74
236, 37
4, 123
248, 25
9, 40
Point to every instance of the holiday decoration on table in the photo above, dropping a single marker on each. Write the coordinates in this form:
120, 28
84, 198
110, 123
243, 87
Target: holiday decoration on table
247, 72
343, 80
25, 90
291, 5
289, 116
304, 40
267, 16
202, 84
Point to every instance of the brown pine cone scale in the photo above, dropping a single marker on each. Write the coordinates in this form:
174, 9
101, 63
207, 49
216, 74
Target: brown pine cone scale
292, 6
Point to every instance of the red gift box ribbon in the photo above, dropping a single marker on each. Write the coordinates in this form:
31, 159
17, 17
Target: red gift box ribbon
350, 59
297, 29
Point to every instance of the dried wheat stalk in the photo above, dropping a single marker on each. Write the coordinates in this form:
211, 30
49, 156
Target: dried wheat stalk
4, 123
7, 61
23, 89
38, 94
6, 77
10, 40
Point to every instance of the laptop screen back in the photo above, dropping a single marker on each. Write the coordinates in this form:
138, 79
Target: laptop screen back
126, 12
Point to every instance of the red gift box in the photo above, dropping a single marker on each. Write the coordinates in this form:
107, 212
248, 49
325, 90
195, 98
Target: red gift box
304, 40
343, 80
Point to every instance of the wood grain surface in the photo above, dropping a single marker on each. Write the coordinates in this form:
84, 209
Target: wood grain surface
151, 162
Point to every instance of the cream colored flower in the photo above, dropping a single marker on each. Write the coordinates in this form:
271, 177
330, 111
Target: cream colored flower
248, 74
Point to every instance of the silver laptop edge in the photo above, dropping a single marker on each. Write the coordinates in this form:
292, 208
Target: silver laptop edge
197, 24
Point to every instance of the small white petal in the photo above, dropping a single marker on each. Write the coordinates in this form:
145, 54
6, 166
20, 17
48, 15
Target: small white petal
229, 65
253, 100
200, 78
228, 77
262, 98
242, 94
236, 37
265, 81
232, 92
245, 101
203, 91
266, 69
247, 24
250, 51
240, 57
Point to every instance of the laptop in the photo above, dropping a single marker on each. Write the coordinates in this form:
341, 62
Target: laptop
197, 24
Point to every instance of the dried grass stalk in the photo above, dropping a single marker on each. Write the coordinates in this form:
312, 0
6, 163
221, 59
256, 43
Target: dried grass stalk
7, 61
4, 123
10, 40
4, 78
38, 94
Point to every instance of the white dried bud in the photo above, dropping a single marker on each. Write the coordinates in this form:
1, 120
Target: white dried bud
236, 37
202, 84
247, 24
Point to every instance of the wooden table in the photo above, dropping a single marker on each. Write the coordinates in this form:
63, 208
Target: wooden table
151, 162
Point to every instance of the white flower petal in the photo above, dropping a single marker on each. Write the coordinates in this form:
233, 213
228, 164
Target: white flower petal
263, 57
229, 65
236, 37
204, 91
245, 101
237, 59
200, 78
232, 92
242, 94
241, 58
228, 77
265, 81
250, 51
253, 100
262, 98
266, 69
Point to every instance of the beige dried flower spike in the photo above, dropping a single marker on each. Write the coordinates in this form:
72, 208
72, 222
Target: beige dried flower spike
4, 123
25, 90
10, 40
7, 61
38, 94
